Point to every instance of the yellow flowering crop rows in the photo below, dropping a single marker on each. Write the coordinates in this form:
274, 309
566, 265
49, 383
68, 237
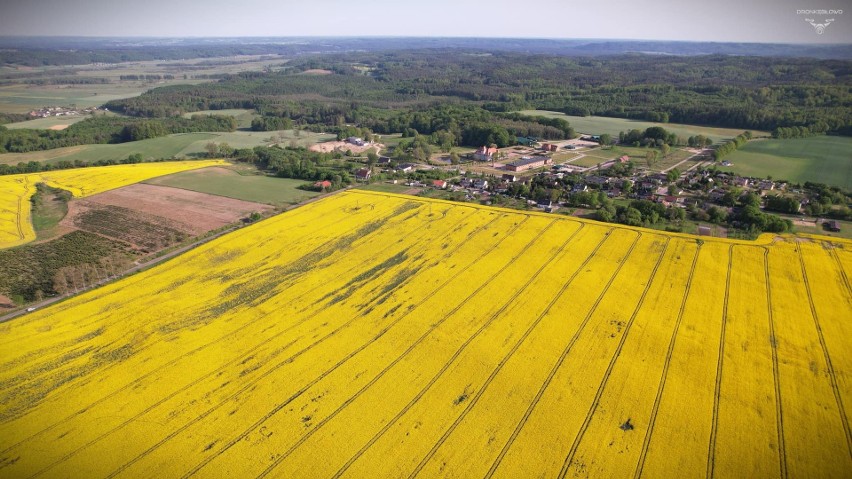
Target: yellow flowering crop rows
16, 190
374, 335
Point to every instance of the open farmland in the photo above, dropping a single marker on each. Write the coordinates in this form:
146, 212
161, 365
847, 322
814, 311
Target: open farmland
598, 125
15, 226
180, 145
819, 159
233, 184
375, 335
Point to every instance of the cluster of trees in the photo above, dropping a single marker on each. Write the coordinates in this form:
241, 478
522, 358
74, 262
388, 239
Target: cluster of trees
639, 213
651, 136
731, 146
798, 131
698, 141
271, 123
28, 273
107, 129
782, 204
297, 162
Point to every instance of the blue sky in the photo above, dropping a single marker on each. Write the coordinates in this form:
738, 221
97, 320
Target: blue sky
705, 20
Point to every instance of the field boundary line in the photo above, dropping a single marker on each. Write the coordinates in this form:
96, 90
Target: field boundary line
579, 437
831, 374
773, 345
711, 448
842, 272
399, 358
316, 380
175, 360
580, 328
664, 375
446, 366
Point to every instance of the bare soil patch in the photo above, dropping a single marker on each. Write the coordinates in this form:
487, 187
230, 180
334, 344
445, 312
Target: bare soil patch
58, 127
192, 212
6, 303
343, 146
316, 71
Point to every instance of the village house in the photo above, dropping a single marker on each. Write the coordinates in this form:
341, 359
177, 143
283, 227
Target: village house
440, 184
766, 185
323, 185
595, 180
485, 153
480, 184
363, 174
509, 178
405, 168
356, 141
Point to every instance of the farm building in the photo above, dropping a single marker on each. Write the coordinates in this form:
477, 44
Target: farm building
525, 164
549, 147
833, 225
527, 140
623, 159
356, 141
485, 153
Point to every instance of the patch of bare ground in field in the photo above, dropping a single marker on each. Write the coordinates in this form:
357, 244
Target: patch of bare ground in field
151, 217
6, 303
196, 212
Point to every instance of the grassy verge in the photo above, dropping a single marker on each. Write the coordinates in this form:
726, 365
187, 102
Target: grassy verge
50, 205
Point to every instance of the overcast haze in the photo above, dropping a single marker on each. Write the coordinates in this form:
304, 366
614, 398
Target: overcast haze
711, 20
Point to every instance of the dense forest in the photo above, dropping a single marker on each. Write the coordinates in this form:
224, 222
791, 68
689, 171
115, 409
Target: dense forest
387, 91
105, 129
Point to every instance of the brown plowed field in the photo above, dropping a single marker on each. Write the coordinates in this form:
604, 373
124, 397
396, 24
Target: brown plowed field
194, 212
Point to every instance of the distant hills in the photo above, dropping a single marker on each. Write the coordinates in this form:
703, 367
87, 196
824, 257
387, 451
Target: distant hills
39, 51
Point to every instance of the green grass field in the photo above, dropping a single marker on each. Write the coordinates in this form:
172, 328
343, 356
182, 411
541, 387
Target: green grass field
821, 159
597, 125
182, 145
637, 155
230, 183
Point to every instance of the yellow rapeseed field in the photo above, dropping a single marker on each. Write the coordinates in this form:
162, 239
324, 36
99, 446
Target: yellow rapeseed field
16, 190
376, 335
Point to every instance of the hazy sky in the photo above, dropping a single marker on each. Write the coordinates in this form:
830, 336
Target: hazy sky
703, 20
